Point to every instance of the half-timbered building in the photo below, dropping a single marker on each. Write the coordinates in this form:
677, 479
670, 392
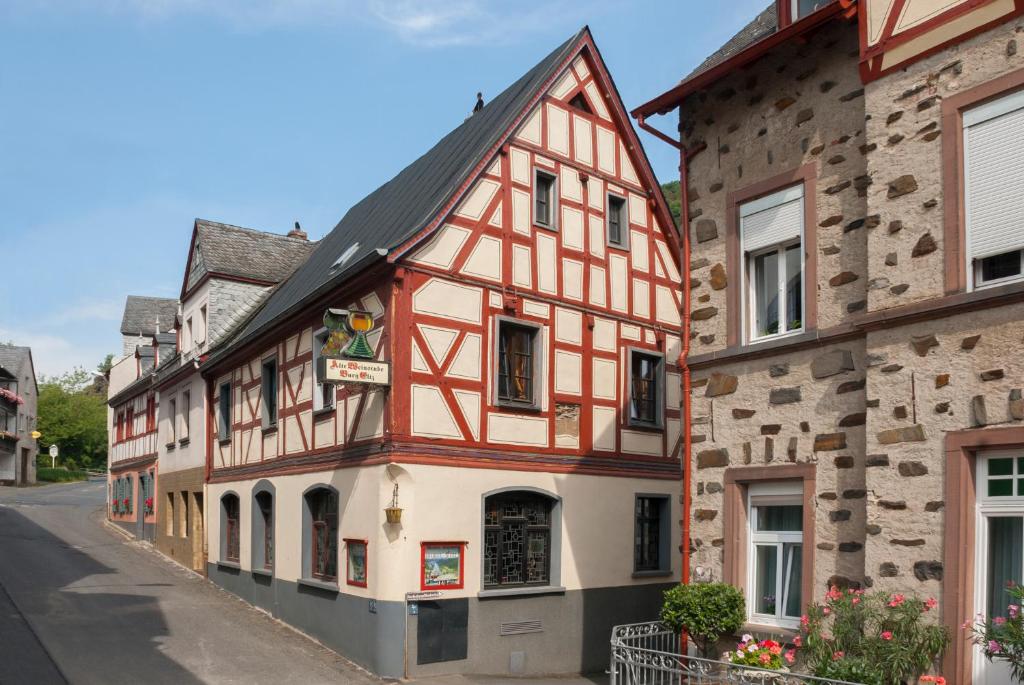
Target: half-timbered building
147, 327
228, 273
508, 490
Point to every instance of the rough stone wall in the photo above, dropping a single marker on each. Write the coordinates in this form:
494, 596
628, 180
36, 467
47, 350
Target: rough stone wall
904, 109
924, 380
806, 407
798, 105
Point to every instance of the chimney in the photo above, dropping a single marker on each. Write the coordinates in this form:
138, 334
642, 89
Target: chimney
297, 232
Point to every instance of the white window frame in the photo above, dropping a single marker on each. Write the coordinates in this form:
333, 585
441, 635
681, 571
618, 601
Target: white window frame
794, 10
553, 206
624, 221
784, 493
172, 410
987, 507
318, 384
1005, 104
749, 303
186, 408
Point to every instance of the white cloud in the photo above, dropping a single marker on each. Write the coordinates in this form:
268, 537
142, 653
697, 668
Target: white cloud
425, 23
53, 354
89, 310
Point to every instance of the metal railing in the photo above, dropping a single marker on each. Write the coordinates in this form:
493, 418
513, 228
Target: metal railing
651, 654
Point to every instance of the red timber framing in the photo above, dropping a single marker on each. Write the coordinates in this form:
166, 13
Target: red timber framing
652, 260
135, 430
873, 56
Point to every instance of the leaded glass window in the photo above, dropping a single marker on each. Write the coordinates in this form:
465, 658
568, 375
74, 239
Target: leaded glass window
323, 509
517, 540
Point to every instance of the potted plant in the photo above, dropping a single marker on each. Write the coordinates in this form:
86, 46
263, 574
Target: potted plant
393, 514
705, 612
763, 654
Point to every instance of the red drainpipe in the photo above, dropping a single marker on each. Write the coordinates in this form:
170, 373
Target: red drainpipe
684, 213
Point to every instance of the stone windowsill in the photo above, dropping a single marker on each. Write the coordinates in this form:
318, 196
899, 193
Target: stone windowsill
269, 429
522, 591
229, 564
323, 412
659, 573
183, 442
171, 445
263, 572
318, 584
786, 634
224, 441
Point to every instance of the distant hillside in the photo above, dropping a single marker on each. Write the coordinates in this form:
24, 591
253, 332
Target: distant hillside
671, 191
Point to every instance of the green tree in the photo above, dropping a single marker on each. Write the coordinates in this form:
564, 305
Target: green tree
673, 197
73, 416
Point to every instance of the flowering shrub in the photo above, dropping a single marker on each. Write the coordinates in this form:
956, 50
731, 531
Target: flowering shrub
872, 638
149, 505
763, 654
10, 396
1002, 637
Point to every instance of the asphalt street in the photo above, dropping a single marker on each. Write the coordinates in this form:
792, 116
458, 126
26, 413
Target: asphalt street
79, 603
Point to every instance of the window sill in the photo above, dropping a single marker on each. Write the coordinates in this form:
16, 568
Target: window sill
615, 246
648, 427
522, 591
224, 441
785, 632
269, 429
183, 442
505, 404
229, 564
545, 227
323, 412
171, 445
269, 573
659, 573
318, 584
776, 336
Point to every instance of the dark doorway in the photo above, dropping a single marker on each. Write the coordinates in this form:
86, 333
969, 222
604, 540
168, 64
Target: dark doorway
24, 466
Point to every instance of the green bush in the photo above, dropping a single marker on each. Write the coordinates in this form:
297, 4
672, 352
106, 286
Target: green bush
705, 611
49, 475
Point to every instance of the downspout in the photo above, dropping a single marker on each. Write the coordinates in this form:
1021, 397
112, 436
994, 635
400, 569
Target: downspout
684, 214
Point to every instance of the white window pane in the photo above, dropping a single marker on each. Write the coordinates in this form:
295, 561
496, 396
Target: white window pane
994, 184
1005, 560
766, 293
793, 556
765, 575
794, 288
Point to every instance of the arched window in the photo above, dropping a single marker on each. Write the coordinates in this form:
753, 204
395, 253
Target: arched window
229, 512
322, 550
263, 530
517, 539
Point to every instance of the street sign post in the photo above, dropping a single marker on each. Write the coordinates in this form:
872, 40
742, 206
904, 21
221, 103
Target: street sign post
53, 456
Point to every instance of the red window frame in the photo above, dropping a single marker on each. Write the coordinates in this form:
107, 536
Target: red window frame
130, 424
423, 565
366, 560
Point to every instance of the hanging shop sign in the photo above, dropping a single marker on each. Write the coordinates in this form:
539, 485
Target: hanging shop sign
347, 356
442, 565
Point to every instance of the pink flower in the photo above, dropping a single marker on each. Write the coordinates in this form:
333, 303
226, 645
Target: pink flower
790, 656
836, 656
930, 603
994, 647
965, 625
855, 600
833, 593
886, 634
999, 620
804, 620
765, 658
896, 600
1013, 610
826, 611
798, 641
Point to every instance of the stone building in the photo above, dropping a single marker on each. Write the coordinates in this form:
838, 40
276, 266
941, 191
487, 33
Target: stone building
852, 189
228, 273
19, 399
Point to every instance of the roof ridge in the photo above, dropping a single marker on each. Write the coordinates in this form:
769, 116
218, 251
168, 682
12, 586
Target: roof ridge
283, 236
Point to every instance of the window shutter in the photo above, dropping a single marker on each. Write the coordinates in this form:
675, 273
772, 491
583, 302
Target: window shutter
772, 219
994, 177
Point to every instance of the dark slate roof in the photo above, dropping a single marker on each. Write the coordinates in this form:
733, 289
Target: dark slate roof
141, 314
245, 253
13, 358
170, 339
764, 25
396, 211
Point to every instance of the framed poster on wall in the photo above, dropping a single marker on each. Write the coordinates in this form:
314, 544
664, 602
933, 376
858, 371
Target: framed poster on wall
442, 565
356, 562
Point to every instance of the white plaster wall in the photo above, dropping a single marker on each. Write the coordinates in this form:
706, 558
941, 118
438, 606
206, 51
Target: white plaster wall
596, 542
192, 453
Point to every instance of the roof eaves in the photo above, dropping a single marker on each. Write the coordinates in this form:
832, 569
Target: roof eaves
671, 99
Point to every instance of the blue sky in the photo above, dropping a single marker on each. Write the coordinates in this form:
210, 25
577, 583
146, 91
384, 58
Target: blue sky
123, 120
